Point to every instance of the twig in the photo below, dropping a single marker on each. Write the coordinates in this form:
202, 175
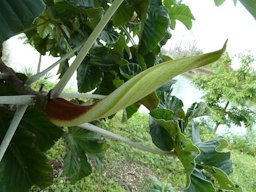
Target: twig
85, 49
111, 135
12, 128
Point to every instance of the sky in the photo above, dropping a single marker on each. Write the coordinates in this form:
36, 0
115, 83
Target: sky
213, 25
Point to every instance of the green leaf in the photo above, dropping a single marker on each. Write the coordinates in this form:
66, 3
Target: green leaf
250, 5
160, 136
94, 16
79, 144
130, 70
24, 163
155, 29
88, 77
109, 36
211, 155
129, 111
123, 14
219, 2
223, 180
81, 3
17, 16
199, 183
181, 12
186, 152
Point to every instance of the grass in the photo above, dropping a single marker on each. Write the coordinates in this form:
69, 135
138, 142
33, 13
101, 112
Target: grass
128, 169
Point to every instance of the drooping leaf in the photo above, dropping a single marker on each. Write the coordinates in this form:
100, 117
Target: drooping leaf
80, 144
211, 155
223, 180
24, 163
160, 136
16, 16
179, 11
135, 89
199, 183
154, 29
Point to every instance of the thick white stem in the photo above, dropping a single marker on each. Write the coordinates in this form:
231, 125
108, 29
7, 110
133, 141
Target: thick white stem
82, 95
17, 100
12, 128
111, 135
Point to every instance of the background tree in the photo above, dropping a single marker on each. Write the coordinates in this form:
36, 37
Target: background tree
229, 93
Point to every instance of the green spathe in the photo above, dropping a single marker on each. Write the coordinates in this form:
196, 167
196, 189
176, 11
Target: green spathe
140, 86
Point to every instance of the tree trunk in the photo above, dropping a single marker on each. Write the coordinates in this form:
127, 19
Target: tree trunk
217, 124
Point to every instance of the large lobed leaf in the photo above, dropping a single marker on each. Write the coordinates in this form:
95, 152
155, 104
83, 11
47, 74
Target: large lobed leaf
16, 16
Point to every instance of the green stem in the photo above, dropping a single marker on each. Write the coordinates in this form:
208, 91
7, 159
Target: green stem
111, 135
44, 72
82, 95
17, 100
12, 128
218, 124
85, 49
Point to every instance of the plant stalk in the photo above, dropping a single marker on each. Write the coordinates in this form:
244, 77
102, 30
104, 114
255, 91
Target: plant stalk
82, 95
85, 49
17, 100
12, 128
37, 76
111, 135
217, 124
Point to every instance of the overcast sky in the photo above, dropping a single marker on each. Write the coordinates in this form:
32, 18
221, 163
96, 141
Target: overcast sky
213, 25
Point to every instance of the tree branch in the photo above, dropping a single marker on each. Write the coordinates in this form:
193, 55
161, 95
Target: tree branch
19, 87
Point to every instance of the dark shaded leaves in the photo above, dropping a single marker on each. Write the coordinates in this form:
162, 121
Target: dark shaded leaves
155, 29
80, 145
15, 16
24, 163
